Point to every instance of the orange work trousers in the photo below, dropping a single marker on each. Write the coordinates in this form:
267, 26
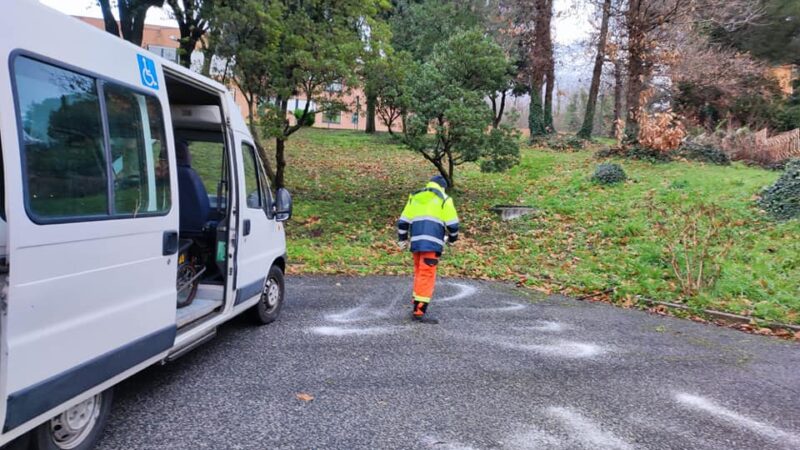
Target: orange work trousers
424, 275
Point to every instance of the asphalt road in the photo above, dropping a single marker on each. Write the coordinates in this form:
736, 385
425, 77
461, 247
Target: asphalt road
503, 370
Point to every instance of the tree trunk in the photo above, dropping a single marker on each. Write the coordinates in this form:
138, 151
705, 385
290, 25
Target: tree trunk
549, 126
536, 110
618, 81
547, 17
280, 147
636, 70
540, 63
186, 48
588, 119
372, 101
498, 110
208, 53
280, 162
108, 18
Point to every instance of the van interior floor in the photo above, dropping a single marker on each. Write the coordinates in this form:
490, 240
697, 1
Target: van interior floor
208, 299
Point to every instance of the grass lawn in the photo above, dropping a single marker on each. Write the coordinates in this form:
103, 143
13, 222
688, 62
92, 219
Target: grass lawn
349, 189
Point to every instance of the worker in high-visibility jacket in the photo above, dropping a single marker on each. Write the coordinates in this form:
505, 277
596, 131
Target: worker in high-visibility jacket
428, 220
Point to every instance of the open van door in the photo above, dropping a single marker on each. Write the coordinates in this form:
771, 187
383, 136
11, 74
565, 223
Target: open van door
92, 232
262, 242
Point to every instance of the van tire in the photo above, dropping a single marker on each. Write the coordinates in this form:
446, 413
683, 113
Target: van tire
269, 305
44, 437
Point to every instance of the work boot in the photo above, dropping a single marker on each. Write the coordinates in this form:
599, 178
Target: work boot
418, 315
425, 319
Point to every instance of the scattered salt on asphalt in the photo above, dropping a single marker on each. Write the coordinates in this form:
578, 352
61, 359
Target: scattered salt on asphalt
735, 419
587, 431
343, 331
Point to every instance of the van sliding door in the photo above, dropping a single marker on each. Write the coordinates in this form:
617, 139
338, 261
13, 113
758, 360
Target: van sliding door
92, 236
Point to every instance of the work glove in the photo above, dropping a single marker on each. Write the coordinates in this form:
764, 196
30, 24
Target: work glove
402, 245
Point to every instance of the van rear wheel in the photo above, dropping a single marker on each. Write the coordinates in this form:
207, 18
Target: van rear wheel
77, 428
269, 305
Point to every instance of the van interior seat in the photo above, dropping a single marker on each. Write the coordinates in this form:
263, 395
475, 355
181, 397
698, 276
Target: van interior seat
195, 207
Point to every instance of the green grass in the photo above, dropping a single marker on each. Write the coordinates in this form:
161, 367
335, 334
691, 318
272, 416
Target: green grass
349, 189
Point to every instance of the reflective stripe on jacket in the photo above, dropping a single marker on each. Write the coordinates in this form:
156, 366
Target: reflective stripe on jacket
429, 215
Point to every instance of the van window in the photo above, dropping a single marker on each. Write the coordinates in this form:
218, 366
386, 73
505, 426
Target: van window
71, 149
138, 155
266, 191
251, 177
62, 134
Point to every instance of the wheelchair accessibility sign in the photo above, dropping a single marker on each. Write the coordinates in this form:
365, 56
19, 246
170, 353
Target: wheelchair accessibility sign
147, 70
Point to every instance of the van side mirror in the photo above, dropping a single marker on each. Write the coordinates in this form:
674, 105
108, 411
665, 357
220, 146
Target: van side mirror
283, 205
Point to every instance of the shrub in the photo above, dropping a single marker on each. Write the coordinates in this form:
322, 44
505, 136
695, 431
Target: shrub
661, 132
703, 153
696, 240
310, 118
609, 173
782, 199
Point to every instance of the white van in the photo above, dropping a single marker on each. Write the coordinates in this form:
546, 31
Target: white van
135, 219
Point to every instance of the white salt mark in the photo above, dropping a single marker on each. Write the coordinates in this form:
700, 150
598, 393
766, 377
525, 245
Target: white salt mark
435, 442
357, 314
534, 438
350, 315
564, 349
731, 417
547, 327
464, 291
586, 431
342, 331
511, 307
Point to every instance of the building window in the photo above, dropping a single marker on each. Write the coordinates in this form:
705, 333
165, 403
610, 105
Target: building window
332, 117
334, 87
164, 52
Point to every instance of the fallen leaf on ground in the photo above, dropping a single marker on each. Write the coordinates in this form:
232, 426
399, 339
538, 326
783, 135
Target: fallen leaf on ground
304, 396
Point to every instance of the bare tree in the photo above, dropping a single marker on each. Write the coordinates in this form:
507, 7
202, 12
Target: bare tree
132, 14
588, 119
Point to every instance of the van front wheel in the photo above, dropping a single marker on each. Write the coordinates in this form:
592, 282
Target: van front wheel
77, 428
269, 305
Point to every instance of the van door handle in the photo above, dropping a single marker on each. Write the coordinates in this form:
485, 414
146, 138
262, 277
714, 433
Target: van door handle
246, 230
170, 243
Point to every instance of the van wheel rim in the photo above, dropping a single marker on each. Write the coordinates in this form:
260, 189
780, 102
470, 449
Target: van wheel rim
71, 428
272, 294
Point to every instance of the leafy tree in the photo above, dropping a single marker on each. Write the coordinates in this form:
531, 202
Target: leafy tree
446, 95
385, 79
282, 49
418, 26
132, 14
192, 17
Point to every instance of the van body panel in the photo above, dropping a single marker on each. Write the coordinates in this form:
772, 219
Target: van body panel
91, 302
89, 297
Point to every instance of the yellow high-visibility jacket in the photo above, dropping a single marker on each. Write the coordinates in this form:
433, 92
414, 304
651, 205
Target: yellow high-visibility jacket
428, 215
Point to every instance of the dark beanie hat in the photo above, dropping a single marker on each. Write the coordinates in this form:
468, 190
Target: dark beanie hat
438, 179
